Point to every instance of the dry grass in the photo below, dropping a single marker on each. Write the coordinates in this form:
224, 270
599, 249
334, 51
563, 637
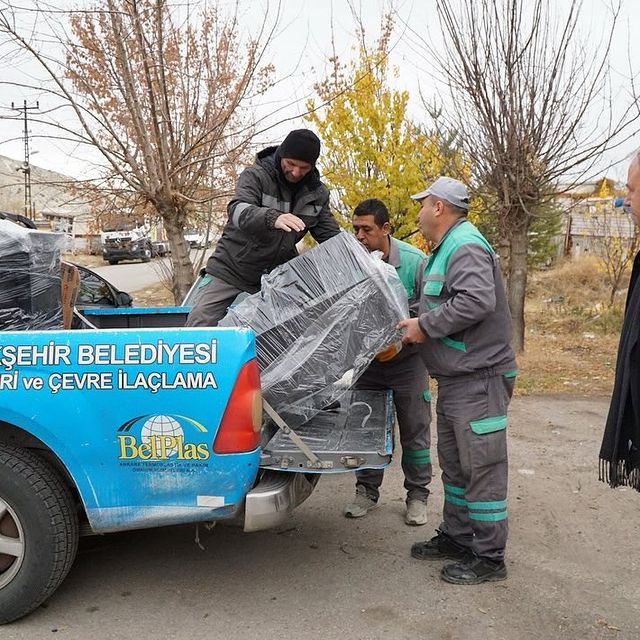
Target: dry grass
555, 363
155, 296
572, 333
84, 259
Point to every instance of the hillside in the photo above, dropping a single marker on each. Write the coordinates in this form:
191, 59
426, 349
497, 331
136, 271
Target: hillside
48, 188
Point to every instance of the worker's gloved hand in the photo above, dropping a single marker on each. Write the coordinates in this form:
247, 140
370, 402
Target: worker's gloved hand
389, 352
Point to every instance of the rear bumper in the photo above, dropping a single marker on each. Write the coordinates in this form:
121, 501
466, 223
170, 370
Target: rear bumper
271, 501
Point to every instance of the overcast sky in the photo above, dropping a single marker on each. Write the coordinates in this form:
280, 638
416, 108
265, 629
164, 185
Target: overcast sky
299, 53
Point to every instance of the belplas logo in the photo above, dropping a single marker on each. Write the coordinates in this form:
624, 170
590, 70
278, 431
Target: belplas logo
161, 438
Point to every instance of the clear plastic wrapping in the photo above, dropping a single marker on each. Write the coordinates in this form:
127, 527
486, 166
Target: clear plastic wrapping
29, 278
318, 319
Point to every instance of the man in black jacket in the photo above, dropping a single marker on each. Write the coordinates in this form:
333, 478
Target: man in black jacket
620, 451
278, 199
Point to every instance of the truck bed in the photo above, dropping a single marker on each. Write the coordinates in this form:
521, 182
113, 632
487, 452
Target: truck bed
356, 432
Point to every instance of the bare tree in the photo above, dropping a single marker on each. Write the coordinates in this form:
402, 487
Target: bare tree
615, 243
532, 103
157, 89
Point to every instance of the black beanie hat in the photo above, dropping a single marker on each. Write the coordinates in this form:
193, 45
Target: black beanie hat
301, 144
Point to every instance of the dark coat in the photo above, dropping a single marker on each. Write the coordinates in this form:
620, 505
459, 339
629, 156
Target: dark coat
620, 451
250, 246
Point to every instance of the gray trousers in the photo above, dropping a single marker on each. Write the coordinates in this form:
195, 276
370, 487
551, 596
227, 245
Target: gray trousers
212, 299
472, 451
407, 378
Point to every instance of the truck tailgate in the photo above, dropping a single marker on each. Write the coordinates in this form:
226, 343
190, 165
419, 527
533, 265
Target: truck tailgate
354, 433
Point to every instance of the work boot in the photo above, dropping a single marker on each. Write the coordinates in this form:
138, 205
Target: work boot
360, 506
474, 571
416, 514
441, 546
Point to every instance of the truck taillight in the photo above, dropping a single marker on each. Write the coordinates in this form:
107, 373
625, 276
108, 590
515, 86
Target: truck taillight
242, 420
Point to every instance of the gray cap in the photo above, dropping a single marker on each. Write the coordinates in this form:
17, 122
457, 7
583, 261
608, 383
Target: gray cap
448, 189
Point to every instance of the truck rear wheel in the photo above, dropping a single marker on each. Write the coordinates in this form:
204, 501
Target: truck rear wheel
38, 532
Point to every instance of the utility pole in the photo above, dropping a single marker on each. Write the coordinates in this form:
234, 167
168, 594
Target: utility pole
29, 210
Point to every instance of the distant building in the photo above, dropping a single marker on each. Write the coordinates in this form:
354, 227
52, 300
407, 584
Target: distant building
589, 215
78, 224
54, 204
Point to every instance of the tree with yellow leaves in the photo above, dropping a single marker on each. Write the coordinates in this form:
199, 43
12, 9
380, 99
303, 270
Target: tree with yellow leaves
370, 147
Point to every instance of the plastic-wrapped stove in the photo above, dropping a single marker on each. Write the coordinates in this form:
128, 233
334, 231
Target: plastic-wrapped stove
318, 319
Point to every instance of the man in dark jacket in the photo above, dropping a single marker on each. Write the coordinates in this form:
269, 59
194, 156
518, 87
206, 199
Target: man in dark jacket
620, 451
277, 200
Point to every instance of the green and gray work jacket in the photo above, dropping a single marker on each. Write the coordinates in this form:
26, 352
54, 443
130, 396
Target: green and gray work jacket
463, 307
409, 263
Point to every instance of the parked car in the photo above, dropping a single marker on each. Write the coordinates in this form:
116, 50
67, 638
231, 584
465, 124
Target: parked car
96, 292
160, 248
18, 219
195, 238
128, 240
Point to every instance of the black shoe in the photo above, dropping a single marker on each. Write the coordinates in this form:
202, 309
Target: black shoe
474, 571
439, 547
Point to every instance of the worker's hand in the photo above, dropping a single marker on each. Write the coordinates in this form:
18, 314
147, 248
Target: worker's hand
288, 222
412, 331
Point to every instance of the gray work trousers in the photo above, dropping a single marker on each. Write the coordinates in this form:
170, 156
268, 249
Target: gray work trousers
212, 299
407, 377
472, 451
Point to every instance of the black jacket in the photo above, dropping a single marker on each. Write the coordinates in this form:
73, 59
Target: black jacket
620, 451
250, 246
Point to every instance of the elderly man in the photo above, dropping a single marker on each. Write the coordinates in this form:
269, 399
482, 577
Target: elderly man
620, 451
464, 326
278, 199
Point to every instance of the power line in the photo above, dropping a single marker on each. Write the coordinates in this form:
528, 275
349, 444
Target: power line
29, 209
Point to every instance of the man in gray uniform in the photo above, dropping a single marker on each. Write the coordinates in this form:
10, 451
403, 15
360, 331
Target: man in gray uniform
465, 327
404, 373
277, 200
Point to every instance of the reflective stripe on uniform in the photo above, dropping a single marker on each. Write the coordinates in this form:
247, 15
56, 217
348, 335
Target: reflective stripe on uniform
416, 456
273, 203
237, 210
490, 511
454, 495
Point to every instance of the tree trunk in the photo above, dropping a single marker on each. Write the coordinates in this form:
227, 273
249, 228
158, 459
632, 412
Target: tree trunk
504, 251
182, 267
517, 285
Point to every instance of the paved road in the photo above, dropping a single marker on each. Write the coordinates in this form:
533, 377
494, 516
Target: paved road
572, 558
133, 276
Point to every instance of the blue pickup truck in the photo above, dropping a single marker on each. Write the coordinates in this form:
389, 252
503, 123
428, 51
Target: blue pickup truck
115, 429
135, 421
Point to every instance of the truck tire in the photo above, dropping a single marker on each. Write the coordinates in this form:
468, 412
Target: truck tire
38, 531
113, 262
147, 254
